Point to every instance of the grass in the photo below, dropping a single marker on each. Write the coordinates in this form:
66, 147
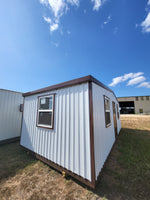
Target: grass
126, 174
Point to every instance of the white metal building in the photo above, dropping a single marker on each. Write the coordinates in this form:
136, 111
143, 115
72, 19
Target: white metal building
10, 115
72, 126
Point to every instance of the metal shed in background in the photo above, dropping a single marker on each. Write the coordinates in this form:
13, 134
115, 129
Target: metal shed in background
72, 126
10, 115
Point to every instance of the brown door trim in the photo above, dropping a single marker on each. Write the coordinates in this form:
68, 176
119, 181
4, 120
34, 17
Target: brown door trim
114, 118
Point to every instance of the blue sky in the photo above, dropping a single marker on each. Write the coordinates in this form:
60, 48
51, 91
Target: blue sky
44, 42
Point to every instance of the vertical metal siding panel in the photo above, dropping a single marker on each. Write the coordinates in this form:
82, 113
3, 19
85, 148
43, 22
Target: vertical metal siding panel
81, 136
56, 126
10, 116
72, 130
87, 130
63, 129
68, 144
67, 129
76, 151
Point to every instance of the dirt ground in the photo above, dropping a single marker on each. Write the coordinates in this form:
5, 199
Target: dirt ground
126, 175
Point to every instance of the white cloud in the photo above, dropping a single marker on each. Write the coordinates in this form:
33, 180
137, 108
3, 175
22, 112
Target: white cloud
148, 3
144, 84
116, 80
125, 77
136, 80
107, 20
53, 27
58, 8
47, 19
146, 24
98, 4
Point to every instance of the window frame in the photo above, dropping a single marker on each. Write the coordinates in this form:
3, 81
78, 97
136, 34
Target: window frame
136, 98
118, 113
147, 98
107, 125
46, 110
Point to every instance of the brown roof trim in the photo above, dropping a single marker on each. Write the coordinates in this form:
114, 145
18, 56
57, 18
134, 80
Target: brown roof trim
77, 81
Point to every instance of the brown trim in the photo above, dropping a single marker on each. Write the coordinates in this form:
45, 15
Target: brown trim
39, 126
10, 140
107, 125
22, 117
60, 85
81, 80
61, 169
91, 135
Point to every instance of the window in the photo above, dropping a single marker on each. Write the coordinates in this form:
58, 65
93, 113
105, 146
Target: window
118, 113
107, 111
147, 98
45, 111
142, 98
136, 98
141, 110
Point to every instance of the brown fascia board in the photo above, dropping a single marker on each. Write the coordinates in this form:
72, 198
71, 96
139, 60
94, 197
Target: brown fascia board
77, 81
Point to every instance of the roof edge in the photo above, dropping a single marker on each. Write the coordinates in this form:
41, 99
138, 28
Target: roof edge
76, 81
10, 91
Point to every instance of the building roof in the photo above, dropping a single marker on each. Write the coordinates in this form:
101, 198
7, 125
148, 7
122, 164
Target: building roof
81, 80
134, 96
10, 91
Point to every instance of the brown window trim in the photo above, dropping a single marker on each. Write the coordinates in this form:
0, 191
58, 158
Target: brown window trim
43, 126
106, 125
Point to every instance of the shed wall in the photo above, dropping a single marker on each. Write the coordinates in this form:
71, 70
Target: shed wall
104, 138
10, 116
68, 144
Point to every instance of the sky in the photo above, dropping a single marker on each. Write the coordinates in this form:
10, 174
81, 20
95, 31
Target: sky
45, 42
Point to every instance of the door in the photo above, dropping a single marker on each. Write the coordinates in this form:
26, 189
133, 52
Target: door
115, 119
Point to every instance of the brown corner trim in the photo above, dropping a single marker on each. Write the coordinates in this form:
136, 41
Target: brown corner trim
22, 118
10, 140
91, 135
60, 168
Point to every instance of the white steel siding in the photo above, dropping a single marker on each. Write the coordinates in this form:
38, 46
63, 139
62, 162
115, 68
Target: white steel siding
68, 144
10, 116
103, 137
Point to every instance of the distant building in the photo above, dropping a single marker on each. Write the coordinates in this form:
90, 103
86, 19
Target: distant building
134, 105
